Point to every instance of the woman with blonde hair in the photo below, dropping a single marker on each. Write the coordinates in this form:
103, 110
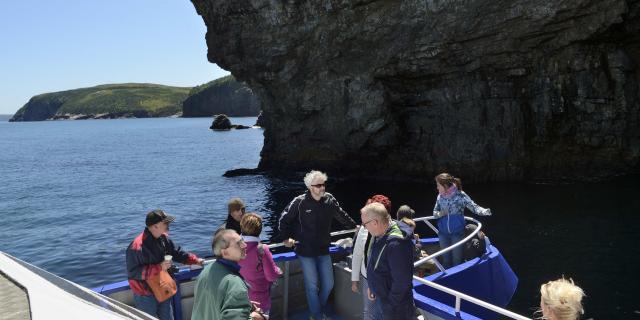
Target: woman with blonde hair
561, 300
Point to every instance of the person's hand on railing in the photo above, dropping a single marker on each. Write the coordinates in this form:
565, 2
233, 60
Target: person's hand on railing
289, 243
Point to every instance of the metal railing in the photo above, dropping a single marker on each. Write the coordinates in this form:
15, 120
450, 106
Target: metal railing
458, 295
333, 234
286, 271
461, 296
449, 248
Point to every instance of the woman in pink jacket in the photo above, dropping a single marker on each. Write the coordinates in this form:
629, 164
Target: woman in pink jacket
258, 268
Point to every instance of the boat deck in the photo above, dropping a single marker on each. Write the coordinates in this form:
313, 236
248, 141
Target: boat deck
15, 301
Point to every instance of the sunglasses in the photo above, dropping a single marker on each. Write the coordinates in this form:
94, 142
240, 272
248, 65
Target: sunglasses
319, 185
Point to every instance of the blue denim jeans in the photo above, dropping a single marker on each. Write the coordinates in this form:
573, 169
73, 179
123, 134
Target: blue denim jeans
149, 304
368, 311
318, 282
454, 257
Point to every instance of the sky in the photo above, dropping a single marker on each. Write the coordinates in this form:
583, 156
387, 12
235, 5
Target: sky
55, 45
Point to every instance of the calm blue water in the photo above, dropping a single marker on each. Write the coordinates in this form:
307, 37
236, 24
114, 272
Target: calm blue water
73, 194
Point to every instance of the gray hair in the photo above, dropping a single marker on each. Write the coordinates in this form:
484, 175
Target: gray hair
312, 175
220, 242
377, 211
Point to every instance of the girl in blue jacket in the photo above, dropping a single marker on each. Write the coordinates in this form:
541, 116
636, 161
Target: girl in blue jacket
449, 209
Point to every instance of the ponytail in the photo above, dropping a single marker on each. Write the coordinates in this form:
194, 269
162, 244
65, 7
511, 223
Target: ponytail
448, 180
458, 183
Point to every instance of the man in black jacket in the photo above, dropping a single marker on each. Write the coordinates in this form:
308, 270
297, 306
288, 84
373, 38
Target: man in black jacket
390, 267
307, 219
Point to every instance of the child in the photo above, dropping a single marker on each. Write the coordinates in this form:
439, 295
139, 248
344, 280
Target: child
258, 268
449, 209
405, 221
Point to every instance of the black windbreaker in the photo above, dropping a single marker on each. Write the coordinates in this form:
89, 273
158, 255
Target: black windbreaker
309, 222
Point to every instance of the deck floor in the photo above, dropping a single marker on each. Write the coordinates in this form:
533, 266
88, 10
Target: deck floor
14, 301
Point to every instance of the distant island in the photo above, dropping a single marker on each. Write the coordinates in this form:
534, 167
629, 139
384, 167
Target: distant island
142, 100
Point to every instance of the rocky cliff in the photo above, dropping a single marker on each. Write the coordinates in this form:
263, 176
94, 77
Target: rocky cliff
221, 96
490, 90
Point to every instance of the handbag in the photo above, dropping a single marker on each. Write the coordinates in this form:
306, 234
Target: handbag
162, 285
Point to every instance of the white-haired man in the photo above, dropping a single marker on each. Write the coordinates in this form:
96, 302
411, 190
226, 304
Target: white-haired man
220, 291
390, 267
307, 219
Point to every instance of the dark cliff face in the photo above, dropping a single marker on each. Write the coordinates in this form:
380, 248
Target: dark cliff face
221, 96
41, 107
485, 89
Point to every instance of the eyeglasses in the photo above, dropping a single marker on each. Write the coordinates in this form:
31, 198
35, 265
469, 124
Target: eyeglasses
365, 223
239, 243
319, 185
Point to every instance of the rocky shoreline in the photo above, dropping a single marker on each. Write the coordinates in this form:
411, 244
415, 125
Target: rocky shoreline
133, 100
102, 116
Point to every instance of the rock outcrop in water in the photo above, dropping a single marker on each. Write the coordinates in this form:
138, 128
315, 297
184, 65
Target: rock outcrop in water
486, 89
221, 96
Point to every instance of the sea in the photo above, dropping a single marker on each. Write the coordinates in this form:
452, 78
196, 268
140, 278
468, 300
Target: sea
73, 194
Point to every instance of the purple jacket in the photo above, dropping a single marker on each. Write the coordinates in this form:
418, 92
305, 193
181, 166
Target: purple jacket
259, 276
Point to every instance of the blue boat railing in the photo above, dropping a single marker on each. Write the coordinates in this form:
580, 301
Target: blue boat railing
287, 267
187, 273
459, 296
449, 248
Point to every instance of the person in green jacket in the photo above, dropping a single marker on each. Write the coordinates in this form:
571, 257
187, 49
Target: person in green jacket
220, 291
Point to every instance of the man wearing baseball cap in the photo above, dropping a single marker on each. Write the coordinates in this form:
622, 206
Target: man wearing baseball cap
145, 258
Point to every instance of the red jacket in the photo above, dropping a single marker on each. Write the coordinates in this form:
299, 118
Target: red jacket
144, 256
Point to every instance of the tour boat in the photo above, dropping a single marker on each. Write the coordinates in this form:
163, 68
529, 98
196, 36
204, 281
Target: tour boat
477, 289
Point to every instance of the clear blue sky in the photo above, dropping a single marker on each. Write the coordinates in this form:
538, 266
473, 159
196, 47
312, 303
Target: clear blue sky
54, 45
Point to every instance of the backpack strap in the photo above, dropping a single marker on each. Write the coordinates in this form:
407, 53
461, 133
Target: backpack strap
260, 256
